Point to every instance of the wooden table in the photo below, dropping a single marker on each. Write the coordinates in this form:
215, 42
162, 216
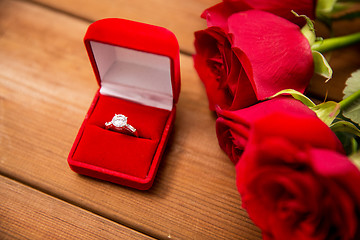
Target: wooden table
46, 86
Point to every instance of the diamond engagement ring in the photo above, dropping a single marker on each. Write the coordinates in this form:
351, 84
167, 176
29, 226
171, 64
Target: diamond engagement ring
119, 124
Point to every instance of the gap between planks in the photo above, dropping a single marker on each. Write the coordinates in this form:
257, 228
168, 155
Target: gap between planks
26, 212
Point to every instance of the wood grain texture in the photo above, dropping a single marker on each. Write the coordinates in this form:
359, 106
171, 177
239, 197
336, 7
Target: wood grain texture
26, 213
183, 18
46, 86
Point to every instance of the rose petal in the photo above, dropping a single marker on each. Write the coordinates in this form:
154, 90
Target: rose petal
240, 121
218, 14
275, 56
294, 182
279, 104
344, 175
283, 8
296, 193
300, 130
234, 138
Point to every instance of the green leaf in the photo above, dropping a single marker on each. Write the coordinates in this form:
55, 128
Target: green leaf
353, 113
308, 30
344, 126
351, 100
352, 84
309, 33
295, 94
348, 134
355, 159
327, 111
309, 22
321, 66
348, 141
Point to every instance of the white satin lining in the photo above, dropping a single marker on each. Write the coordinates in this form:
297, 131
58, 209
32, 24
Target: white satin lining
134, 75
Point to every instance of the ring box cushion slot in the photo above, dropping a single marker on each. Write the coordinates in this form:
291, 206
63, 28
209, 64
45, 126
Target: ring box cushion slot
116, 151
137, 68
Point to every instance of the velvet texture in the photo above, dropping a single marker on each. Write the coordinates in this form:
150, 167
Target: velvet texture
138, 36
113, 156
117, 151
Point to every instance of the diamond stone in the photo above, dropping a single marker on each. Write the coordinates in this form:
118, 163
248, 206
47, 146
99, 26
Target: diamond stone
119, 120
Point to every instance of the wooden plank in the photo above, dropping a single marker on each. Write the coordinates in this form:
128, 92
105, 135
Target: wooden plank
26, 213
46, 86
183, 18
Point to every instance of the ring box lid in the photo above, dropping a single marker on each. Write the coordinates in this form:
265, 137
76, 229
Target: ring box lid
135, 61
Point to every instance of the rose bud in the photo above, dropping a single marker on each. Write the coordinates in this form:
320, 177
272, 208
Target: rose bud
295, 184
258, 55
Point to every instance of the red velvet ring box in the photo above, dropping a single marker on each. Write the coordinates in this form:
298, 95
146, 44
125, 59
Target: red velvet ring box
138, 71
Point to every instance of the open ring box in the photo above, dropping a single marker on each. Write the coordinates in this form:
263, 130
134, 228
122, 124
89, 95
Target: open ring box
138, 71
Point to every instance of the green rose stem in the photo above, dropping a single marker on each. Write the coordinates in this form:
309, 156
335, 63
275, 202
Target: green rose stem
349, 100
335, 43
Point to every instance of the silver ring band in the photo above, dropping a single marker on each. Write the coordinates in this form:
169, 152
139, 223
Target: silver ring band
119, 124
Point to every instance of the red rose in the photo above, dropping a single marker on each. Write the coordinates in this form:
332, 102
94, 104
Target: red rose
219, 13
294, 183
233, 127
257, 55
